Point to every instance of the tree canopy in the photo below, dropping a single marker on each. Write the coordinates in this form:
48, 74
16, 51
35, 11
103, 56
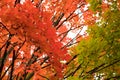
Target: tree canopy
36, 41
99, 53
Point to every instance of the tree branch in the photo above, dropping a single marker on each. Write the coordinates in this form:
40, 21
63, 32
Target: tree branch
16, 2
12, 68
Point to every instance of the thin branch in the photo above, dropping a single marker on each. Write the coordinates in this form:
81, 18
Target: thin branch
95, 69
55, 23
71, 41
44, 77
5, 28
102, 66
5, 71
84, 69
39, 3
12, 68
45, 66
17, 52
9, 37
29, 76
45, 59
115, 77
64, 20
109, 65
73, 72
69, 17
75, 56
16, 2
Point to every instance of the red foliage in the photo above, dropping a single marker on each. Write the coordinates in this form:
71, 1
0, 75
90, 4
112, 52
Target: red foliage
25, 20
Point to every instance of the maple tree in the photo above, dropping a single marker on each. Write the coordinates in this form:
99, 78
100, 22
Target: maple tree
34, 37
97, 56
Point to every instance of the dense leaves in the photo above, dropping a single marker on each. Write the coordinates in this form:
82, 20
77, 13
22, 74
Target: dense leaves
98, 54
36, 41
31, 43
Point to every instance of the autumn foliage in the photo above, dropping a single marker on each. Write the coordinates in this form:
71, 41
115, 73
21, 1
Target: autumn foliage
47, 39
29, 43
34, 37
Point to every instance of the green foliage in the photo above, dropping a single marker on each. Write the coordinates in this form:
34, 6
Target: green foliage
73, 78
96, 5
100, 52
